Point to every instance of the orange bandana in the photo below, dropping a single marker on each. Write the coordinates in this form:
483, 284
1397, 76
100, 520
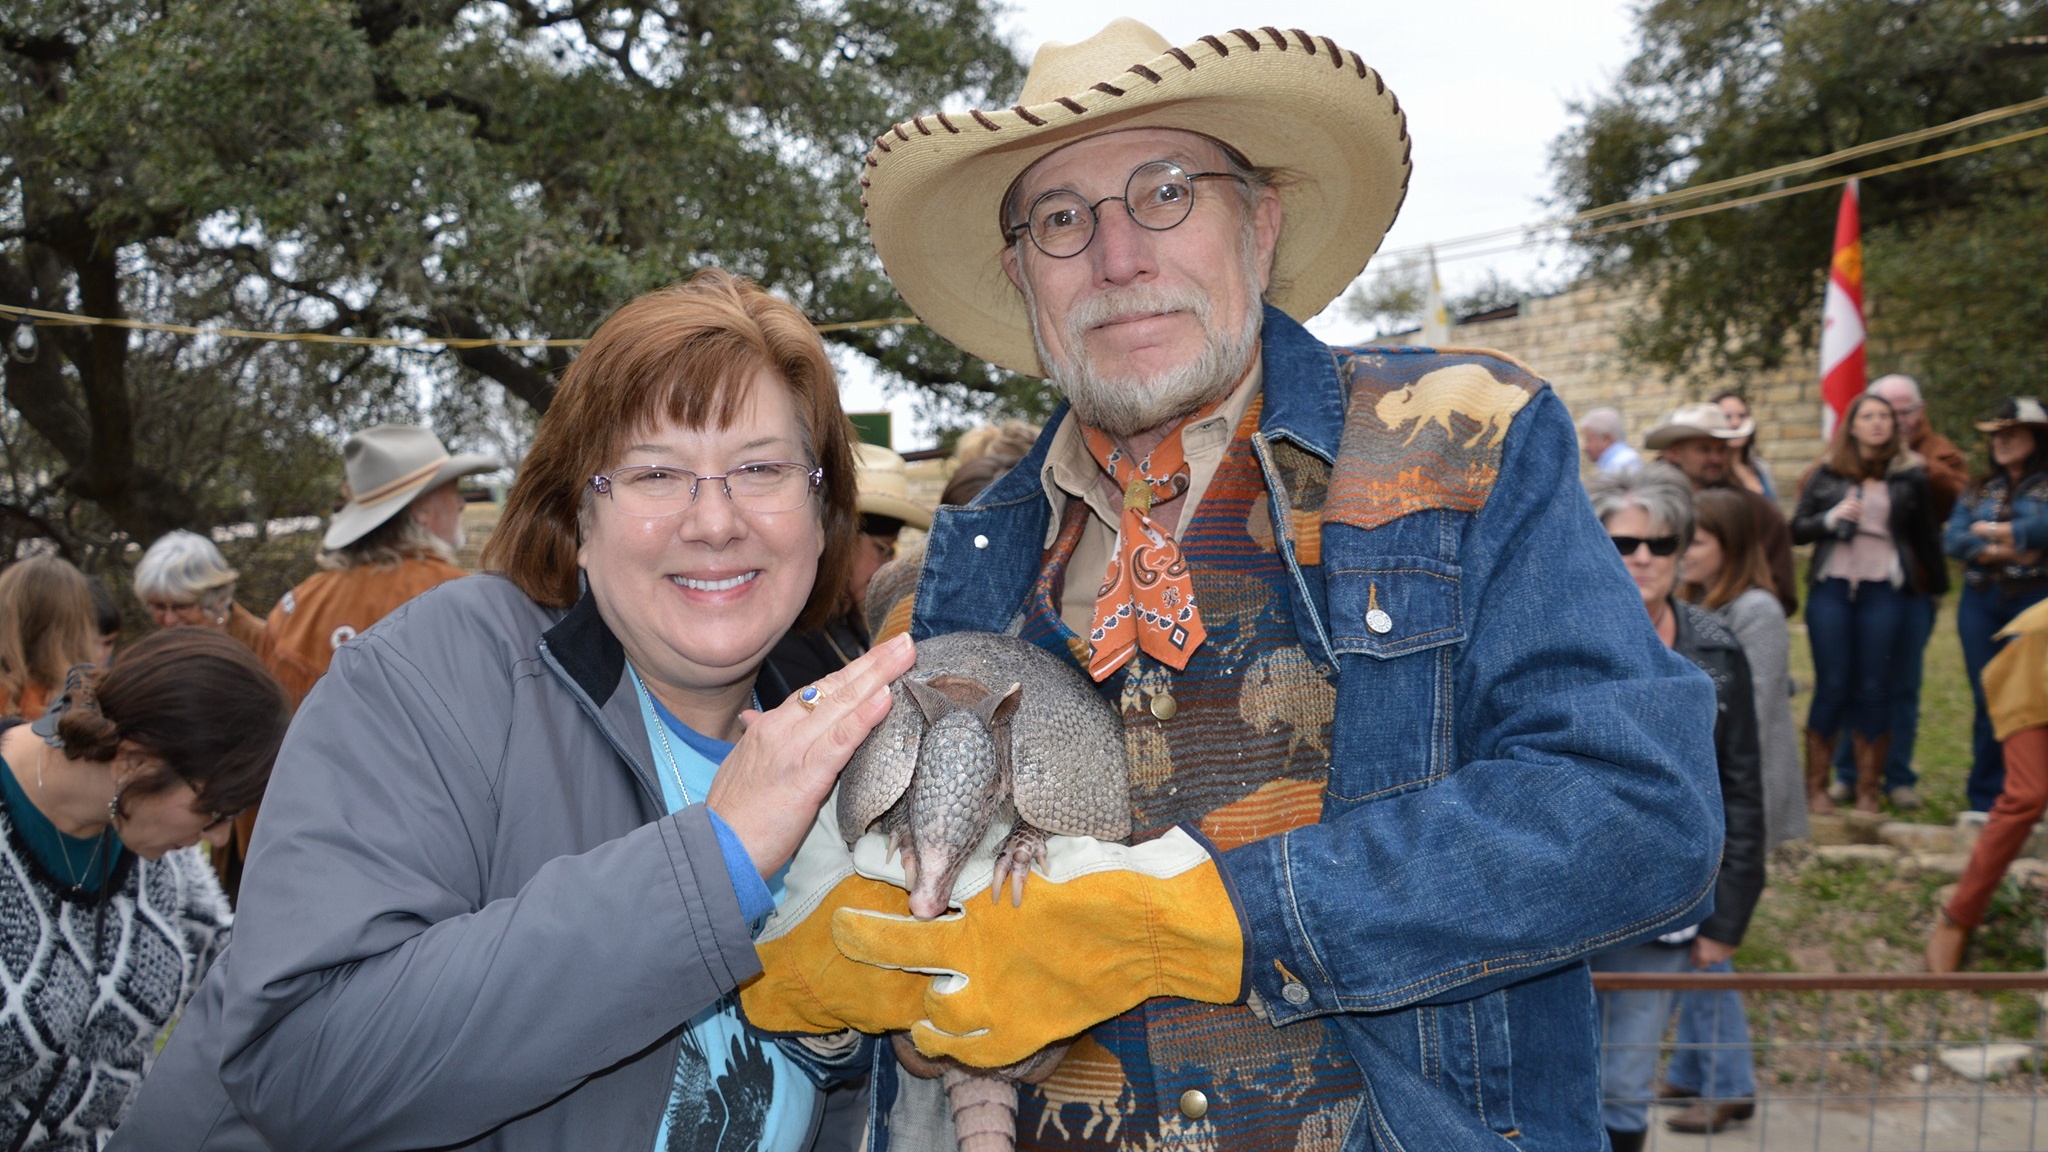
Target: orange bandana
1147, 599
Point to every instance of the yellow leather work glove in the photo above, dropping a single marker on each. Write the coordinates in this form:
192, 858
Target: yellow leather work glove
1102, 928
806, 985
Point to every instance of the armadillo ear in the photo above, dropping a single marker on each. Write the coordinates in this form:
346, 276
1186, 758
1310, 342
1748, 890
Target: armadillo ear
996, 707
930, 701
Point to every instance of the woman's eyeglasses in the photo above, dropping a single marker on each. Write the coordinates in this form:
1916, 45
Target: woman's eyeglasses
1659, 545
652, 490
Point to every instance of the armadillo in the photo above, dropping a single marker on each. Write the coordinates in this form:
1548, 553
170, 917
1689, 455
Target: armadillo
985, 728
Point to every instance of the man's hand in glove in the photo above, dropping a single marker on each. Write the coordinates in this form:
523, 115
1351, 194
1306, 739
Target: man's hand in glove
1106, 927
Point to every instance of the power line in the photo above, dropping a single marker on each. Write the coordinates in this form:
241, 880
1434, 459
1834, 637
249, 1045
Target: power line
1528, 233
1680, 195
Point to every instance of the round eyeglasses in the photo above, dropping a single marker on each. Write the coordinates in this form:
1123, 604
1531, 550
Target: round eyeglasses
1159, 195
651, 490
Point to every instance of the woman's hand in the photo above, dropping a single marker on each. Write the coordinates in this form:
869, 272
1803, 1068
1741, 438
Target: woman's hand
770, 787
1707, 953
1996, 531
1849, 511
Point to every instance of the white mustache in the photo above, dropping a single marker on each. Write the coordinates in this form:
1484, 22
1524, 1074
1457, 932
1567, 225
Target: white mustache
1135, 300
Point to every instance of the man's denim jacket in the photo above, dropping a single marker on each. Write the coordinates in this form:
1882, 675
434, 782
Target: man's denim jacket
1521, 774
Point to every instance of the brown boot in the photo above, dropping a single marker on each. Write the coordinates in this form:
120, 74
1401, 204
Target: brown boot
1945, 947
1870, 753
1820, 759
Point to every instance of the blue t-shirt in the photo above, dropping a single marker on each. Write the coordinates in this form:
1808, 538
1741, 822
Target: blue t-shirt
733, 1087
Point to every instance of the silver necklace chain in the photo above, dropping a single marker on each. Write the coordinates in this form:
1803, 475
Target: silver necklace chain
668, 751
63, 847
661, 726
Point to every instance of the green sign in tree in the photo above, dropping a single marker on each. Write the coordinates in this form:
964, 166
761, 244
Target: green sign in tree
1952, 250
413, 167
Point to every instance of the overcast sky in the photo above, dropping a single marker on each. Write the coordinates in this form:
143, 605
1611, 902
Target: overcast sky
1485, 84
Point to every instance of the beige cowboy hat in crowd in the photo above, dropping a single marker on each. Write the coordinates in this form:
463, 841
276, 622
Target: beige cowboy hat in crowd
1692, 422
1285, 100
884, 481
387, 466
2016, 412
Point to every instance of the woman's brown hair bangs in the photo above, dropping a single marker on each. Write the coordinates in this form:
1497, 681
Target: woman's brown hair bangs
688, 355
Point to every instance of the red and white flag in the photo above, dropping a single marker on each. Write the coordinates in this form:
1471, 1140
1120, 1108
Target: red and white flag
1841, 324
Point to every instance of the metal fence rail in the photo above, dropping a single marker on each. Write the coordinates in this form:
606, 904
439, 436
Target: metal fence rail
1877, 1063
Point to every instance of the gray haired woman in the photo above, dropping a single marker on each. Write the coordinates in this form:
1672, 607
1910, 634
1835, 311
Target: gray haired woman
1649, 516
184, 582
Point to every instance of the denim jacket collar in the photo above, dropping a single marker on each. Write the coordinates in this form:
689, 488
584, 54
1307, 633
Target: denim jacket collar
981, 560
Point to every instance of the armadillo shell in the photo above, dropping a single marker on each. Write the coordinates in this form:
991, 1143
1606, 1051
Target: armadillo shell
1067, 761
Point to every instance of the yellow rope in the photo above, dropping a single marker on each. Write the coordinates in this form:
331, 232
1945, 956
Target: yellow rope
433, 343
1680, 195
457, 343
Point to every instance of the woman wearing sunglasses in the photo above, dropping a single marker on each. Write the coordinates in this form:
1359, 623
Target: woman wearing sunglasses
1869, 515
1649, 516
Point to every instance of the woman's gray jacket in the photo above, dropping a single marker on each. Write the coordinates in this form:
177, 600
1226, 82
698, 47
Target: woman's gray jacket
467, 919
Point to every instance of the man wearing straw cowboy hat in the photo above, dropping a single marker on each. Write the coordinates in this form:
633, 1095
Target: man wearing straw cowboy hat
395, 538
1404, 750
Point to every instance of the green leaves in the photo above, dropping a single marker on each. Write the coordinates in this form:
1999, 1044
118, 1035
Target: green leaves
424, 167
1720, 88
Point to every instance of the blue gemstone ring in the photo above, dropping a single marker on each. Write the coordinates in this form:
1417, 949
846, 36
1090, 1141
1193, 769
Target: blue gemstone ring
808, 696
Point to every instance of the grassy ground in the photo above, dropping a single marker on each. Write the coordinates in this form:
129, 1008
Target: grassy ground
1818, 916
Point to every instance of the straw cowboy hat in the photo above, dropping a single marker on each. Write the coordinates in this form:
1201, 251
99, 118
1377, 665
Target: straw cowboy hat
1289, 101
1694, 422
884, 482
2016, 412
387, 466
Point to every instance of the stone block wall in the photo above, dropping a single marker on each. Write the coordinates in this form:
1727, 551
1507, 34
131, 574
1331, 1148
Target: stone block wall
1572, 340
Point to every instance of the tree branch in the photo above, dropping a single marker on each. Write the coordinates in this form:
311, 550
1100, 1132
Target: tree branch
518, 376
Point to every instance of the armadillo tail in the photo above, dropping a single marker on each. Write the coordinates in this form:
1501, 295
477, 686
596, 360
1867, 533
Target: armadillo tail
984, 1110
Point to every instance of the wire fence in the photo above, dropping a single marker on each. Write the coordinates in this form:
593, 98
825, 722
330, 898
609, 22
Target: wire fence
1878, 1063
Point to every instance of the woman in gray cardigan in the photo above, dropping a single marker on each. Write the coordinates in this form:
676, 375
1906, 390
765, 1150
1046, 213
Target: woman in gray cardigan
501, 891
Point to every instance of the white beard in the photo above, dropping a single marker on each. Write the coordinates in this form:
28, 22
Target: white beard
1124, 407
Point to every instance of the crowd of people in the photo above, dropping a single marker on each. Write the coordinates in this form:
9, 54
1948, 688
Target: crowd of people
1415, 748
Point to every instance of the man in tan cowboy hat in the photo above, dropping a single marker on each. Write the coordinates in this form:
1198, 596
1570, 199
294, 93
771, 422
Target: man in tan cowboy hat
395, 538
1694, 439
1404, 749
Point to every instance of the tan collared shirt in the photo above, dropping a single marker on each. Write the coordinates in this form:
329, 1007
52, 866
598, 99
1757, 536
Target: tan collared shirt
1070, 471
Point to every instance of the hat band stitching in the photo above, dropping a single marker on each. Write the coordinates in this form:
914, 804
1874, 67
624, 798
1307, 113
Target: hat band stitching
901, 134
1218, 45
1025, 114
1186, 61
1250, 41
1109, 89
393, 487
1308, 43
1279, 41
921, 129
985, 122
1074, 106
1147, 73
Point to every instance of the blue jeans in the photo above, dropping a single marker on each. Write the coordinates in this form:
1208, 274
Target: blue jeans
1632, 1030
1909, 665
1712, 1058
1853, 635
1980, 614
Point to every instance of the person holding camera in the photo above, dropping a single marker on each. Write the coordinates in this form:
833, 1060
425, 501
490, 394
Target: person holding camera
1869, 514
